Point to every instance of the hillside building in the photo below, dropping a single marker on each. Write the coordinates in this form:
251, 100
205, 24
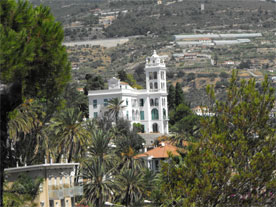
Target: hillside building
58, 188
147, 106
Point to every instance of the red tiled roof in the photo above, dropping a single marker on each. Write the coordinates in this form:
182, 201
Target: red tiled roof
160, 152
123, 83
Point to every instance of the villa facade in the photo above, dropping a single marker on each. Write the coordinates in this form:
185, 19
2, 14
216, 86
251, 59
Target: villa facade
146, 106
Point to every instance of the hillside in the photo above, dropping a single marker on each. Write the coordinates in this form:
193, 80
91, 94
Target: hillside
193, 65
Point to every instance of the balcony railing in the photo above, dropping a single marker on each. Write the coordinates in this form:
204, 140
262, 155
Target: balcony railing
57, 192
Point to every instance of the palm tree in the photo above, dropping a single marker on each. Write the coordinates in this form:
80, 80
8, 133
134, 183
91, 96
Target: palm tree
27, 127
114, 107
100, 186
132, 186
68, 127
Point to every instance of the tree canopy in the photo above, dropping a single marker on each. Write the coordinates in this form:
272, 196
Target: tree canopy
233, 162
33, 61
31, 50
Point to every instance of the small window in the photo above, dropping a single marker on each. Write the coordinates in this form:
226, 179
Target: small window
155, 85
155, 128
95, 114
162, 85
143, 128
127, 115
162, 75
142, 115
157, 165
151, 86
95, 103
105, 102
133, 115
156, 102
150, 75
151, 102
127, 102
155, 75
141, 102
164, 114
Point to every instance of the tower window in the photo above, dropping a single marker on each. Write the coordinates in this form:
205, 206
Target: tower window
156, 102
150, 75
151, 102
155, 85
162, 75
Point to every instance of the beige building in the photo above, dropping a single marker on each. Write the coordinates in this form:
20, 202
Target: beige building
58, 188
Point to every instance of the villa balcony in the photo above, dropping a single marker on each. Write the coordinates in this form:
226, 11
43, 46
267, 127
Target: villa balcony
57, 192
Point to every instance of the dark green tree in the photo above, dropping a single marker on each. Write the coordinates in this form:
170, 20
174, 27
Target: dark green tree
171, 97
93, 83
179, 95
122, 75
233, 163
33, 61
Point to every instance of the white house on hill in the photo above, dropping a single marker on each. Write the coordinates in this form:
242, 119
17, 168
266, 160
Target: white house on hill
147, 106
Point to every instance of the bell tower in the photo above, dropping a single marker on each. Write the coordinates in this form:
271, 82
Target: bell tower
155, 74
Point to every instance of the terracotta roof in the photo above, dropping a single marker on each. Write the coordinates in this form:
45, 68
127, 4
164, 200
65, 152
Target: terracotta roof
123, 83
160, 152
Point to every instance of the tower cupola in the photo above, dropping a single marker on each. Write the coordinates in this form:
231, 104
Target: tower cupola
155, 61
155, 73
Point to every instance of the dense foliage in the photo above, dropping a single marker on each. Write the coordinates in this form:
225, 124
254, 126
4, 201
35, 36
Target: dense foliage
33, 62
233, 162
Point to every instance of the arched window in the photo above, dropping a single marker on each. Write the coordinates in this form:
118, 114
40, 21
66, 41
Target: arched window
151, 102
155, 127
164, 114
154, 114
156, 102
155, 75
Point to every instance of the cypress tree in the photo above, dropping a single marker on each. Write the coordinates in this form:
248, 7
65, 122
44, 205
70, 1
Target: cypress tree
171, 97
179, 95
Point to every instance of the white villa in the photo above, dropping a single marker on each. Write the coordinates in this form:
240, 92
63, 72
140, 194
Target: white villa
147, 106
